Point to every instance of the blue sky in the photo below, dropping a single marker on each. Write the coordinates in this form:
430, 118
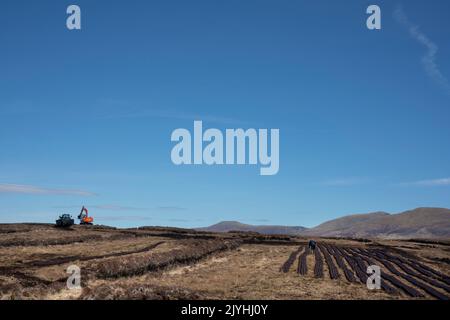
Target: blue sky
86, 116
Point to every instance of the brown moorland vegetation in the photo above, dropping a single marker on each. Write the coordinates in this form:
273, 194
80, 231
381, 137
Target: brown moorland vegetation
173, 263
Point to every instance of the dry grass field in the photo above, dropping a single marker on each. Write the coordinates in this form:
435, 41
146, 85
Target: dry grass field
171, 263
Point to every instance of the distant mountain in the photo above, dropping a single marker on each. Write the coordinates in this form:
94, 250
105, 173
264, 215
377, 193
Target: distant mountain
417, 223
226, 226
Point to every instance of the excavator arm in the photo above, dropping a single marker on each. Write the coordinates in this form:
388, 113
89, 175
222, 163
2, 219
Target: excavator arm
84, 217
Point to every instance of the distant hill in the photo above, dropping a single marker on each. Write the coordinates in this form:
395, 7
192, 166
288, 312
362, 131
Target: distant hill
417, 223
226, 226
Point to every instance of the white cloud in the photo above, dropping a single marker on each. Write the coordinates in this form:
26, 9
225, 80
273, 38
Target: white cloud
117, 207
430, 183
122, 218
114, 207
429, 59
28, 189
178, 115
111, 207
170, 208
345, 182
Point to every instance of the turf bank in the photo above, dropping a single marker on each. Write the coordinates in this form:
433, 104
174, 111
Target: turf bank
240, 147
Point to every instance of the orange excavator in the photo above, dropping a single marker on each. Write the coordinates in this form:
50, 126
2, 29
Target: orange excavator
84, 217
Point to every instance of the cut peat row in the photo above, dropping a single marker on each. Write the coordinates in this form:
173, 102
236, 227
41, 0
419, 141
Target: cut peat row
417, 266
406, 288
136, 265
302, 265
409, 277
340, 261
290, 261
29, 242
386, 287
396, 282
393, 280
63, 260
360, 273
333, 271
318, 267
23, 278
430, 290
429, 272
405, 268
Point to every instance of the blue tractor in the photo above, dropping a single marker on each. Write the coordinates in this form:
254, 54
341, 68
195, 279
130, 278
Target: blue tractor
65, 221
